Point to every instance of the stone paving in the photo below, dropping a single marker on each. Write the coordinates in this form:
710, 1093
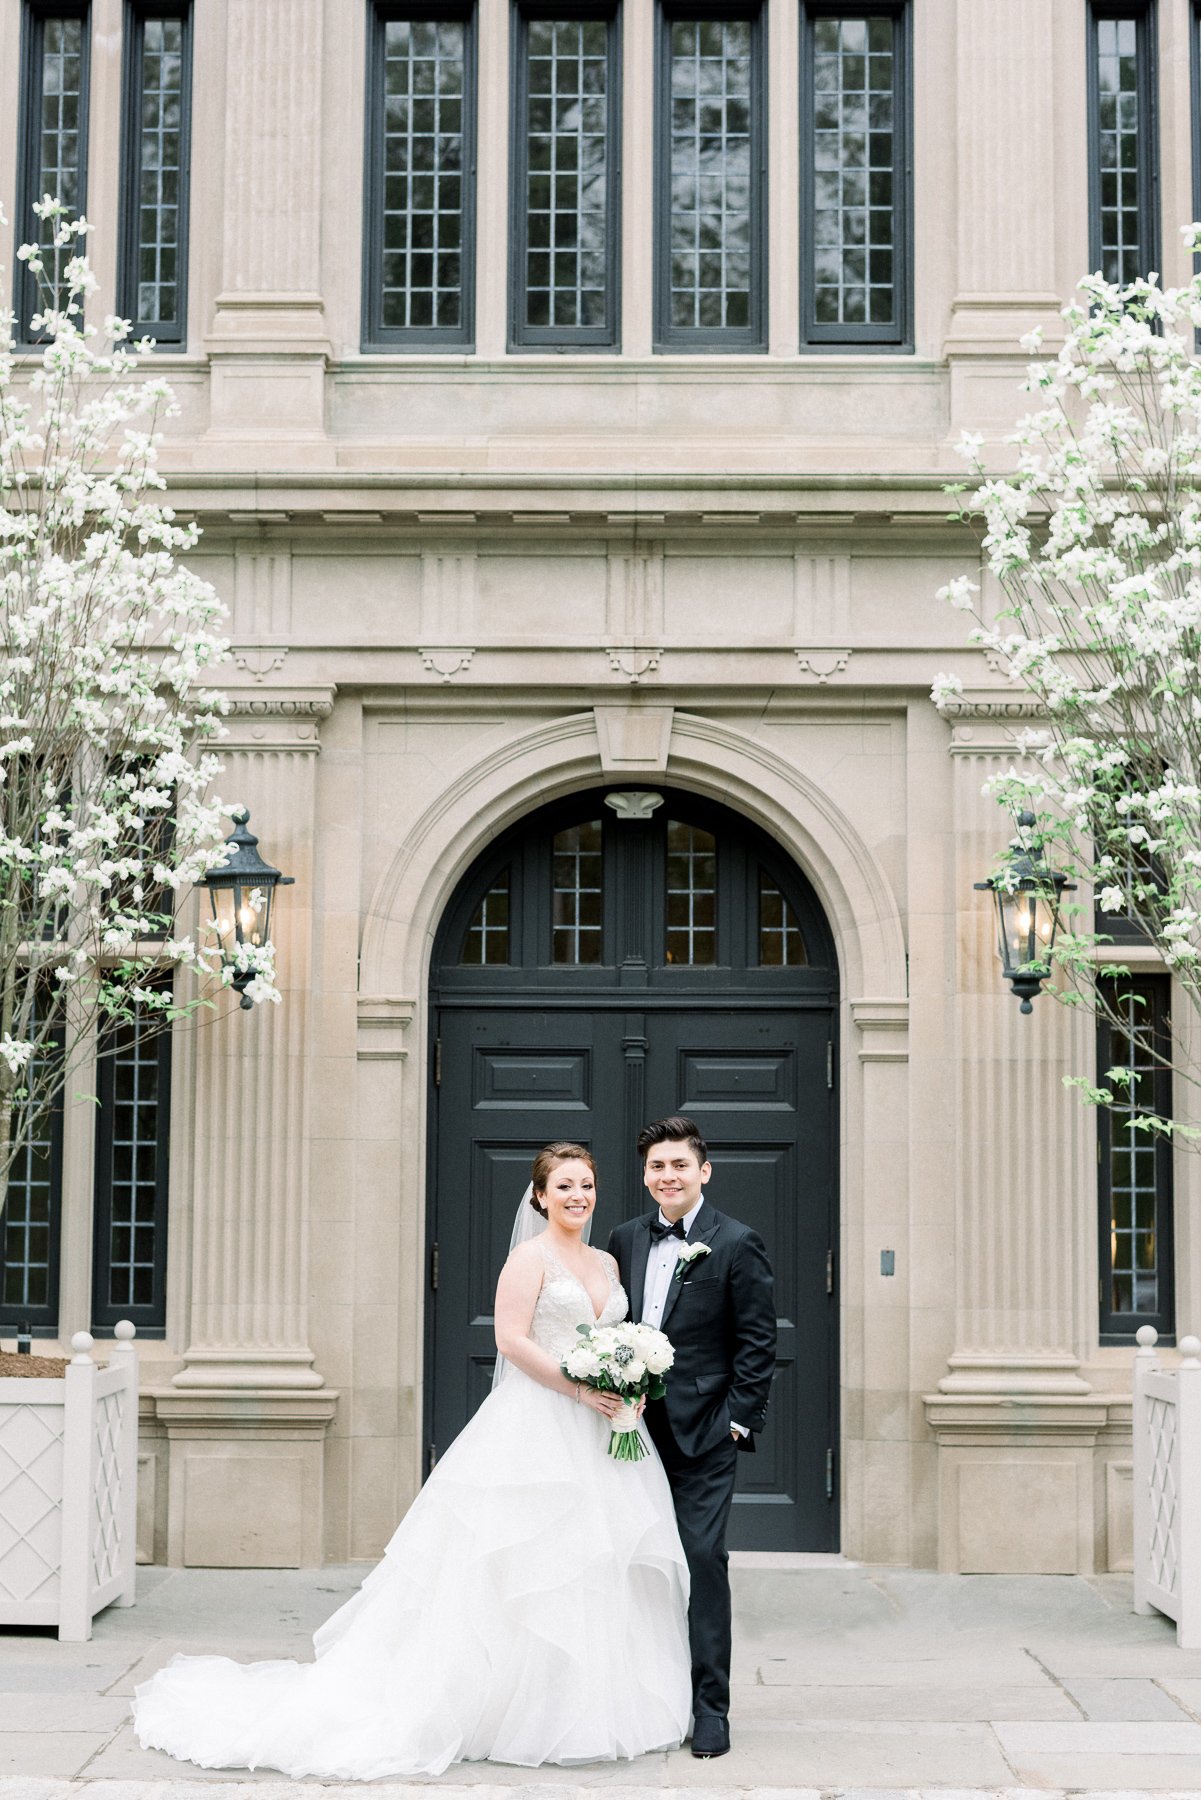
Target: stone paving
861, 1683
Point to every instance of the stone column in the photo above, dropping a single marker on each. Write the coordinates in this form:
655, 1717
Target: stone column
268, 343
1012, 95
247, 1412
1015, 1420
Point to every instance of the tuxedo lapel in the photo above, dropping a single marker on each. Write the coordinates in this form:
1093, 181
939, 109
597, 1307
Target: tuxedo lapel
640, 1241
704, 1231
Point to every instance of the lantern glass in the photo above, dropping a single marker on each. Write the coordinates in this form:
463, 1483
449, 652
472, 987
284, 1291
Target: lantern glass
1027, 921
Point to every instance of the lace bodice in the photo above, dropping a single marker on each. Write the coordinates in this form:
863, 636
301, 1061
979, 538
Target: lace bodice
564, 1305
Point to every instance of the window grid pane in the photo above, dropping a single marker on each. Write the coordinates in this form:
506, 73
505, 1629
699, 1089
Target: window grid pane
854, 103
160, 173
781, 943
711, 177
29, 1222
424, 65
1133, 1156
56, 141
487, 939
138, 1150
691, 896
577, 894
567, 155
1119, 150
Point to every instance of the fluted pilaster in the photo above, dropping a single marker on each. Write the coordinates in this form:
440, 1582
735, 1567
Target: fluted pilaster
268, 343
1025, 1152
1005, 237
250, 1247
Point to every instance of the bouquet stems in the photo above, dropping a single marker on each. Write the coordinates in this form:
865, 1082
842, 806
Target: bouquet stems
625, 1444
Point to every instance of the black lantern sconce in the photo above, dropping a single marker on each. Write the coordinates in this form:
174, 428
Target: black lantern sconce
242, 890
1027, 895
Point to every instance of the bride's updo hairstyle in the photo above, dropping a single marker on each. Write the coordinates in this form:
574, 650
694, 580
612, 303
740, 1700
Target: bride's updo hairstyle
547, 1161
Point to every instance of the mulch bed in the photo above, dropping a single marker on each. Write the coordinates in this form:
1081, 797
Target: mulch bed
33, 1367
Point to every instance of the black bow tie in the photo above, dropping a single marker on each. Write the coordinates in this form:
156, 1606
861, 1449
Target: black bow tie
659, 1230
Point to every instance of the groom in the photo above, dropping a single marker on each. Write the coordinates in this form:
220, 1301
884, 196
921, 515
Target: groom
705, 1280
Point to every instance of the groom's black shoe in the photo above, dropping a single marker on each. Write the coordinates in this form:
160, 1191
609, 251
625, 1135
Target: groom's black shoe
710, 1736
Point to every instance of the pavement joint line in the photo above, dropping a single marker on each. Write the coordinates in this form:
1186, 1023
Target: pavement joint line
1054, 1678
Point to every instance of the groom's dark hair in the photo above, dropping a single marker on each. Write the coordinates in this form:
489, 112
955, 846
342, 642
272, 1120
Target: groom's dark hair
674, 1130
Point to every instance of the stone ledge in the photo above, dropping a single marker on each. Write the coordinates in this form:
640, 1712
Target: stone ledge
263, 1412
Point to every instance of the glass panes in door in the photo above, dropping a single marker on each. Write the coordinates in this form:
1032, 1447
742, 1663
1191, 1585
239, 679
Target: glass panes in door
781, 944
565, 244
576, 861
691, 895
487, 939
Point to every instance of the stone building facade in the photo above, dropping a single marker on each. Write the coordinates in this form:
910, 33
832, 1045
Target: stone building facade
494, 560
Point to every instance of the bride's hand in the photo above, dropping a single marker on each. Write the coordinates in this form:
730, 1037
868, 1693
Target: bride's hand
606, 1404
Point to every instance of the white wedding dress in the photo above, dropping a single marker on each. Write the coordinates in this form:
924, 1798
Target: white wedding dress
530, 1608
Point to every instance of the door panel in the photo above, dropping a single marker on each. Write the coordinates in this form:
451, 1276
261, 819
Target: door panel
511, 1082
756, 1085
755, 1082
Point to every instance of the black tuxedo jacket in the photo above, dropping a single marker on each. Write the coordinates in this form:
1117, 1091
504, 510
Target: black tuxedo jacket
720, 1315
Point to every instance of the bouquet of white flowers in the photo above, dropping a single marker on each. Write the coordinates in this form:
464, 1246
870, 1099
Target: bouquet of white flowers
630, 1360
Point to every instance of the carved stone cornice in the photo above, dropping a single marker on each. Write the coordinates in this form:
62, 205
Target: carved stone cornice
277, 718
994, 709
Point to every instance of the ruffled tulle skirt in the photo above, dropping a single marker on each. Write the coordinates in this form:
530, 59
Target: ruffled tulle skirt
531, 1608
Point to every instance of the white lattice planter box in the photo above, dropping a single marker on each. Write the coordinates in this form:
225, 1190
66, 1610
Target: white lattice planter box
1167, 1486
68, 1490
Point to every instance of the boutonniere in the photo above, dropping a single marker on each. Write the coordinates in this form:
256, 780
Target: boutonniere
688, 1255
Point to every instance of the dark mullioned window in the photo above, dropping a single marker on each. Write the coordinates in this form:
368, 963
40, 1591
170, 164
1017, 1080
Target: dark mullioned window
566, 211
1123, 142
54, 128
133, 1081
420, 187
30, 1224
855, 175
1135, 1168
154, 222
711, 184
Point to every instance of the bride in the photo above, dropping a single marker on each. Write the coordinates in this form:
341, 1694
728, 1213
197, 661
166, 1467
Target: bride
532, 1604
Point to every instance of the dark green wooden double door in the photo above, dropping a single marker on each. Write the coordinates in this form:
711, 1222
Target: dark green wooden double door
527, 1051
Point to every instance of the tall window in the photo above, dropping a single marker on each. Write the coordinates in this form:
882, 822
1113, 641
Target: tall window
566, 191
154, 189
54, 127
30, 1225
1123, 141
855, 175
1135, 1169
711, 181
420, 186
133, 1081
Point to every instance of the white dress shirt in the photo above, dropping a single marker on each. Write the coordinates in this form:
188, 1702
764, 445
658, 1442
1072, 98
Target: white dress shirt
660, 1271
661, 1267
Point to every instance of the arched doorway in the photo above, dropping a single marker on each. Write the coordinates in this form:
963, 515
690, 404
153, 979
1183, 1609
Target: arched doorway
614, 957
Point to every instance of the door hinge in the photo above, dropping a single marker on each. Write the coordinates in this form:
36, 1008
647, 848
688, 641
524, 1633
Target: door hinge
829, 1062
435, 1266
829, 1271
437, 1062
433, 1456
829, 1474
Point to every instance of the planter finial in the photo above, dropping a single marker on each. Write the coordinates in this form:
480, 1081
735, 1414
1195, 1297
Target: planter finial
82, 1344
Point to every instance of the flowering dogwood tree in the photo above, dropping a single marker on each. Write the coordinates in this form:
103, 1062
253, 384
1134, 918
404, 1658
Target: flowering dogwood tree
107, 724
1094, 541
